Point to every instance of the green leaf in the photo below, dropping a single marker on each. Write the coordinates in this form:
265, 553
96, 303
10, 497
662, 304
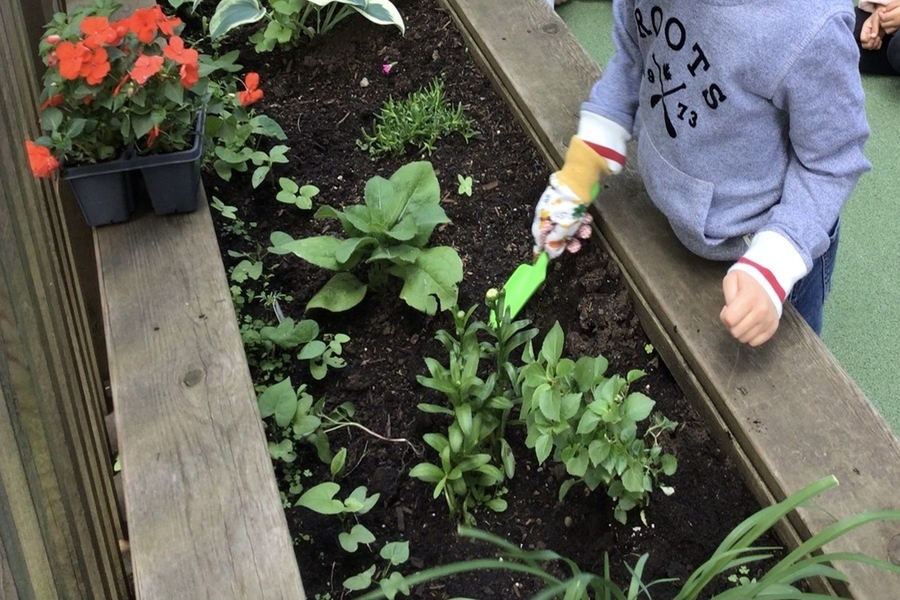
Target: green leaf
395, 552
427, 472
669, 464
638, 406
338, 463
552, 348
464, 418
321, 499
350, 251
405, 230
588, 423
288, 334
234, 13
543, 447
341, 292
351, 540
577, 466
436, 272
283, 450
360, 581
317, 250
402, 253
312, 350
279, 400
633, 479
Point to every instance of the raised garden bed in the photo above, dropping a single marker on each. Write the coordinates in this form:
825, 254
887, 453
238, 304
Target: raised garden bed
778, 445
324, 94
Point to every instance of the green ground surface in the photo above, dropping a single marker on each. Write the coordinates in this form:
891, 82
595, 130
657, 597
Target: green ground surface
863, 311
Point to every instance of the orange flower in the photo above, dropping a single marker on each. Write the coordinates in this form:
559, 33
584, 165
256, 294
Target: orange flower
98, 32
252, 93
120, 84
166, 25
146, 67
54, 100
146, 21
176, 51
42, 163
143, 24
152, 135
190, 75
95, 66
71, 56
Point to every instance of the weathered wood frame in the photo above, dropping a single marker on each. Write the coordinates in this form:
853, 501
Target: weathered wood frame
787, 411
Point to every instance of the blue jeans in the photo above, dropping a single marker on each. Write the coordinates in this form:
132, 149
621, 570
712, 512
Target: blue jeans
809, 294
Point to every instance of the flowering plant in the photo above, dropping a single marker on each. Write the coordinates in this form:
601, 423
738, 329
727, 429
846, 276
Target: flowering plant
113, 85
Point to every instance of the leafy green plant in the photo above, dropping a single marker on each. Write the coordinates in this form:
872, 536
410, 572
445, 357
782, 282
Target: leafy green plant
589, 423
299, 418
389, 232
465, 185
288, 20
234, 129
299, 196
420, 120
735, 551
474, 458
390, 582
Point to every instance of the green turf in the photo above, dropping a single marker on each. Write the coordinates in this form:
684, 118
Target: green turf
863, 313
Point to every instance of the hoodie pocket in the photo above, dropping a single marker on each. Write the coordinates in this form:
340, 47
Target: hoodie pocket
684, 200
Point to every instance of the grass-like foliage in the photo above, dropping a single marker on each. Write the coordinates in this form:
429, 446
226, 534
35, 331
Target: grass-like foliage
736, 550
420, 120
389, 232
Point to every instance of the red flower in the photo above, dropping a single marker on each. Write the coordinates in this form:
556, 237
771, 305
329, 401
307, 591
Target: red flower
143, 24
95, 66
146, 67
70, 57
176, 51
252, 93
43, 164
98, 32
152, 135
190, 75
54, 100
146, 21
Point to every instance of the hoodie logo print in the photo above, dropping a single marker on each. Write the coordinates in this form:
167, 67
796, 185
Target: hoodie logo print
692, 72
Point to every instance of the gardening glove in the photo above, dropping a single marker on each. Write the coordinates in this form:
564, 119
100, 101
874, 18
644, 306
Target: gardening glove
561, 218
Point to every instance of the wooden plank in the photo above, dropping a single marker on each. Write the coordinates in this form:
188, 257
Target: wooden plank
58, 521
7, 586
204, 513
793, 413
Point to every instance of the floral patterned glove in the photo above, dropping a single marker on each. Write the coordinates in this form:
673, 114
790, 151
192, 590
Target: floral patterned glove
561, 218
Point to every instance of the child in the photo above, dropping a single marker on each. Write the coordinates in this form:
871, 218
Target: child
876, 23
750, 128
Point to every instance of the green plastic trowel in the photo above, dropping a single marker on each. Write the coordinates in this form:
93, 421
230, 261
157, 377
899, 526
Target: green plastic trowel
523, 283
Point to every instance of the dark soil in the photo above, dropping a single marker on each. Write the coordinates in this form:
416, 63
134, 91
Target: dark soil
315, 92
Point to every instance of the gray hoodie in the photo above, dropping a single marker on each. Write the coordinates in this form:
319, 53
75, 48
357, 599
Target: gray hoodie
749, 118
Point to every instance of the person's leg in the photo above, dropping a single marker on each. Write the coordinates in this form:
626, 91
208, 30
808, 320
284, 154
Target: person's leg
893, 52
809, 294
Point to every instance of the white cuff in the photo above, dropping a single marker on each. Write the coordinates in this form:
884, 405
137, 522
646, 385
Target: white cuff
775, 263
600, 131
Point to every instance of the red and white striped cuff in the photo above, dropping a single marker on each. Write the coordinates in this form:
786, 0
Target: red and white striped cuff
606, 138
774, 263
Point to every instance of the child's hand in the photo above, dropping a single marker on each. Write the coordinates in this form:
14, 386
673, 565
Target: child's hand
871, 33
748, 314
889, 17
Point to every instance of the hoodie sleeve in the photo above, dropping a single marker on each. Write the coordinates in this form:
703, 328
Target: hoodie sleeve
824, 105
